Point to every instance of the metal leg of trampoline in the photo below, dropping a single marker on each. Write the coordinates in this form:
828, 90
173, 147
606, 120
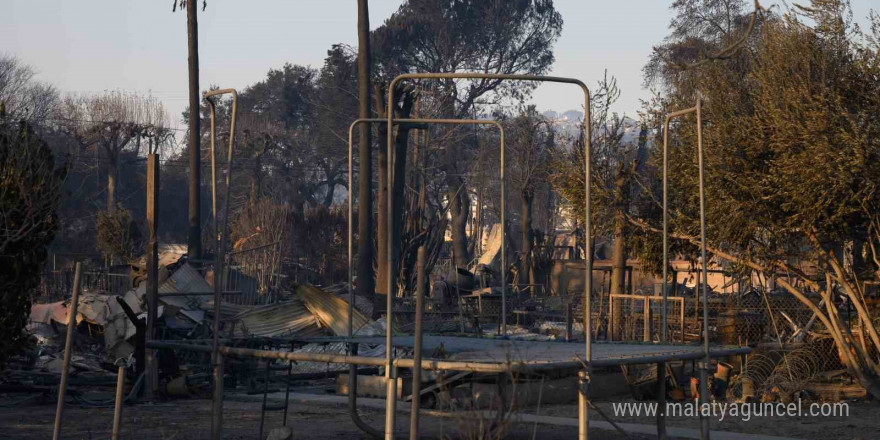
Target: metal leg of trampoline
583, 404
661, 400
704, 399
391, 402
352, 399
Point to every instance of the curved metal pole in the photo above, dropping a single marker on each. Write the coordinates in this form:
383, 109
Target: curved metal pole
704, 390
664, 302
704, 367
583, 424
217, 362
352, 373
389, 320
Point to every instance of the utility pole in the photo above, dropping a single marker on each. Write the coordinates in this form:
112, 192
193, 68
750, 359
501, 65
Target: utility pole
152, 375
366, 283
194, 236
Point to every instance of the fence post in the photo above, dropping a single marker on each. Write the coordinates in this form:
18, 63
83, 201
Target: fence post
68, 344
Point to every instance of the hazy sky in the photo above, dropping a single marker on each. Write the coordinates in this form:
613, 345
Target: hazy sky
140, 45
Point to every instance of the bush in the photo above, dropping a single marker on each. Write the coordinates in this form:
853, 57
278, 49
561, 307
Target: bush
119, 237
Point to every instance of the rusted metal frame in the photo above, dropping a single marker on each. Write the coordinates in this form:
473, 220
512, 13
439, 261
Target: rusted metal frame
392, 384
221, 235
68, 347
704, 365
665, 289
583, 424
441, 365
661, 298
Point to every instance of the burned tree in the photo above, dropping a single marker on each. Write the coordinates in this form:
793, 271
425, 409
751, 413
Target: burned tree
112, 124
491, 37
531, 148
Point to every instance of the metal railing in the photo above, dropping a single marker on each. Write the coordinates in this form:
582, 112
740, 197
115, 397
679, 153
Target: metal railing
56, 285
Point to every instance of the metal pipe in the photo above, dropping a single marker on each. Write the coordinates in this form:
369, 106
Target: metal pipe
417, 347
390, 286
704, 365
588, 151
665, 289
390, 401
438, 365
661, 400
117, 410
704, 389
352, 373
224, 293
583, 404
351, 127
587, 178
68, 343
217, 409
663, 307
213, 173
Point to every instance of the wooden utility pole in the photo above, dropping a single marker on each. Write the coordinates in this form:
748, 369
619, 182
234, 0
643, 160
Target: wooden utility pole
366, 283
194, 236
152, 375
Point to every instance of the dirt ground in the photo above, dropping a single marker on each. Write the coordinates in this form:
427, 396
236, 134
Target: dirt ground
190, 420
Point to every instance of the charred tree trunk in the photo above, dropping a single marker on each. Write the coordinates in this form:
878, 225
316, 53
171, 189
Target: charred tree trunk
382, 211
194, 236
528, 262
459, 208
366, 285
111, 184
393, 180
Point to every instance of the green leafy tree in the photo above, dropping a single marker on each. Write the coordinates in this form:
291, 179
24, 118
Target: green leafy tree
790, 135
30, 189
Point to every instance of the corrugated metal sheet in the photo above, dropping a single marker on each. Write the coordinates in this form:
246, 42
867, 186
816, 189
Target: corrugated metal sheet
330, 310
284, 319
184, 280
227, 309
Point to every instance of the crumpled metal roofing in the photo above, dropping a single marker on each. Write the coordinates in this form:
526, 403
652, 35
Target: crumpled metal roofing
275, 320
330, 310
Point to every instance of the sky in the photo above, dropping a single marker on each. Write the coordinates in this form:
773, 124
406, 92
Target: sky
140, 45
